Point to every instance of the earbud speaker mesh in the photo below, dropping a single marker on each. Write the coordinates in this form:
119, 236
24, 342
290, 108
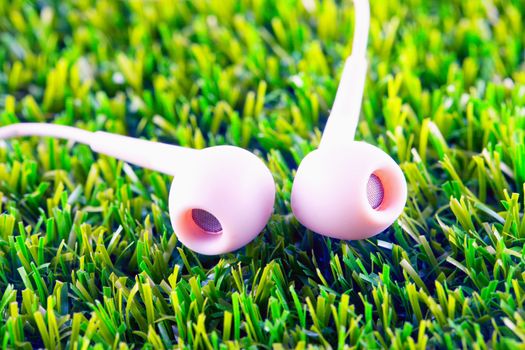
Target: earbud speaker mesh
206, 221
375, 191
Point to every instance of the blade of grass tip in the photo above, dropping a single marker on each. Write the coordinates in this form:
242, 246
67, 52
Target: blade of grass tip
236, 316
437, 140
413, 275
299, 307
8, 296
227, 325
54, 333
181, 326
39, 320
463, 213
154, 339
147, 299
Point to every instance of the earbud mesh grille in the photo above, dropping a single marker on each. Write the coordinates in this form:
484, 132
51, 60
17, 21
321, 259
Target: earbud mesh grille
375, 191
206, 221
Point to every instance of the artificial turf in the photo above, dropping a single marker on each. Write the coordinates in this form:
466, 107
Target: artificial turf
87, 254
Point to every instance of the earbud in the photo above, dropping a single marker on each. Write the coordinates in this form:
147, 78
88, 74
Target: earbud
348, 189
221, 197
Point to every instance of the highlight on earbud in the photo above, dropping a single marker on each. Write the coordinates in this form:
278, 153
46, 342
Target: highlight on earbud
220, 199
347, 189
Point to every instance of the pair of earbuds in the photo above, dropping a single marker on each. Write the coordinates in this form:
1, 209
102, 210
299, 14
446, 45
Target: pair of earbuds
222, 197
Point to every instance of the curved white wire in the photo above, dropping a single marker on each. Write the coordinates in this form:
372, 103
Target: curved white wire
344, 116
362, 27
41, 129
148, 154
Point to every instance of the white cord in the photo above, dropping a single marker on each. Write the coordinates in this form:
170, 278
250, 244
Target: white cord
344, 116
362, 27
152, 155
41, 129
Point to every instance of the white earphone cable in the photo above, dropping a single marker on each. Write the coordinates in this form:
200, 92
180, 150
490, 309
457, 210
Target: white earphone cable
42, 129
362, 26
148, 154
344, 116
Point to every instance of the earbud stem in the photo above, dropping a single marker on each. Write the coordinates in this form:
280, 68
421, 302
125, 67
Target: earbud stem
161, 157
342, 123
156, 156
344, 116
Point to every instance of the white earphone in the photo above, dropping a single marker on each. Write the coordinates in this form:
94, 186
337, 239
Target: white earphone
222, 197
348, 189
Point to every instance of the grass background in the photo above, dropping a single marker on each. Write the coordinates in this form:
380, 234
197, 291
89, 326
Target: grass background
87, 254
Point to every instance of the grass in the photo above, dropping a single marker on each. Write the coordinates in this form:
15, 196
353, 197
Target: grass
88, 258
